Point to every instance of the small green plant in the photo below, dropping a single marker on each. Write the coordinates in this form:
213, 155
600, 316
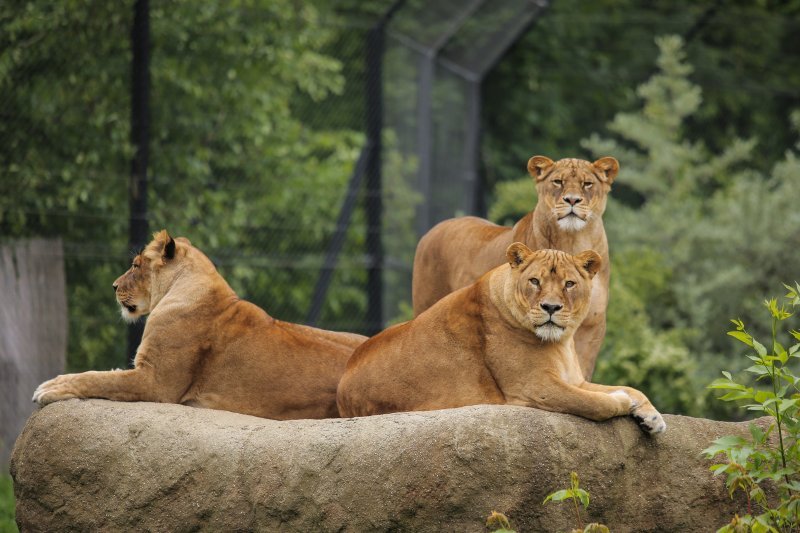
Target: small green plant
769, 461
7, 522
576, 494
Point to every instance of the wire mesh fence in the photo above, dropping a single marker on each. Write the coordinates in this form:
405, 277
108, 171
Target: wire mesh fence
303, 170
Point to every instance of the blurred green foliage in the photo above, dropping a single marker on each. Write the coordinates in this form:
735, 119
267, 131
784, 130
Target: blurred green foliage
237, 163
7, 505
580, 63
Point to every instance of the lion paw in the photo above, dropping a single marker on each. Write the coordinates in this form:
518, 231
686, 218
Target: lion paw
625, 398
53, 390
649, 420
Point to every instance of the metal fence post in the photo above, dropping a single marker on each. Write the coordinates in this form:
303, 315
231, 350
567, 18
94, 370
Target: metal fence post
140, 137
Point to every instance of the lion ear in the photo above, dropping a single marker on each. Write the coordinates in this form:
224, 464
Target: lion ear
590, 261
169, 248
517, 253
163, 245
538, 165
607, 166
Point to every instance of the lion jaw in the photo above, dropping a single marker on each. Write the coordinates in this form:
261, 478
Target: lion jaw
133, 309
549, 332
571, 222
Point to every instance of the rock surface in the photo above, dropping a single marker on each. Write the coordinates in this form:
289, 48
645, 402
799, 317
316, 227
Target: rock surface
88, 465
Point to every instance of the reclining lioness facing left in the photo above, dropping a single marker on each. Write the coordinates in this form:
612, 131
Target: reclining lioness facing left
506, 339
205, 347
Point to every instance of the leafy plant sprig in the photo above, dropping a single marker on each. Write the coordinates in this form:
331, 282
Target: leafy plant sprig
576, 494
770, 457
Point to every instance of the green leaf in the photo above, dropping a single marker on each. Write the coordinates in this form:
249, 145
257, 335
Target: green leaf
793, 293
558, 496
777, 348
757, 433
718, 468
760, 348
786, 404
742, 336
724, 444
726, 384
759, 370
762, 524
737, 395
763, 396
584, 497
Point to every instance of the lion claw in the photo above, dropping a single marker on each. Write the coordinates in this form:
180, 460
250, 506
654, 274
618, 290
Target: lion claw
652, 423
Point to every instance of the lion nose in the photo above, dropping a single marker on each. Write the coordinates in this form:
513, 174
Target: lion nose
572, 199
551, 308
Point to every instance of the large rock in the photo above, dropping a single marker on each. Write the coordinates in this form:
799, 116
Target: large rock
87, 465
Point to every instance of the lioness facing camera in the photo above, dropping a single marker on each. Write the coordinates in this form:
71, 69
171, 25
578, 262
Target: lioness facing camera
568, 216
203, 346
506, 339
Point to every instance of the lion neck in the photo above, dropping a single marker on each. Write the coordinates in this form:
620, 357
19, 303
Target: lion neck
192, 281
539, 230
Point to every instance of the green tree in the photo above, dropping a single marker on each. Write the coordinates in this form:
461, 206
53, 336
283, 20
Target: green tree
580, 62
232, 166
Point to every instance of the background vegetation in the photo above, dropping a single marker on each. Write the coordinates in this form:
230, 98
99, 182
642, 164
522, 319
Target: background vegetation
257, 115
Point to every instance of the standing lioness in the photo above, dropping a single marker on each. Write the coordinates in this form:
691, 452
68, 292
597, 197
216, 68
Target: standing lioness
506, 339
205, 347
568, 217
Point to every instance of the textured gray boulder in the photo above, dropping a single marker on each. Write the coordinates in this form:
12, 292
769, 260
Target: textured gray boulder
87, 465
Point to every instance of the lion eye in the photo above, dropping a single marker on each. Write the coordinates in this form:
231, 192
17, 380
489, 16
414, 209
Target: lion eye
569, 284
558, 183
534, 282
587, 184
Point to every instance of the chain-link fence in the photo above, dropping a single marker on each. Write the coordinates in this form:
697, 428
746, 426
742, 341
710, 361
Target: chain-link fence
305, 162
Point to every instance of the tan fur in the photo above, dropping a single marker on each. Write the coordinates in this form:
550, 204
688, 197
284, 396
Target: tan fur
440, 266
491, 343
205, 347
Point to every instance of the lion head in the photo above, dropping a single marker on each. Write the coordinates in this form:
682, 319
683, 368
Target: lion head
548, 291
140, 287
574, 191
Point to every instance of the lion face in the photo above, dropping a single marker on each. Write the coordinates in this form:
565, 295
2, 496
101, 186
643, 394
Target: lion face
549, 290
574, 190
133, 288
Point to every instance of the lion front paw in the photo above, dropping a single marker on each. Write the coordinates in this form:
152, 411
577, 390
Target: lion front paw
54, 390
649, 419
